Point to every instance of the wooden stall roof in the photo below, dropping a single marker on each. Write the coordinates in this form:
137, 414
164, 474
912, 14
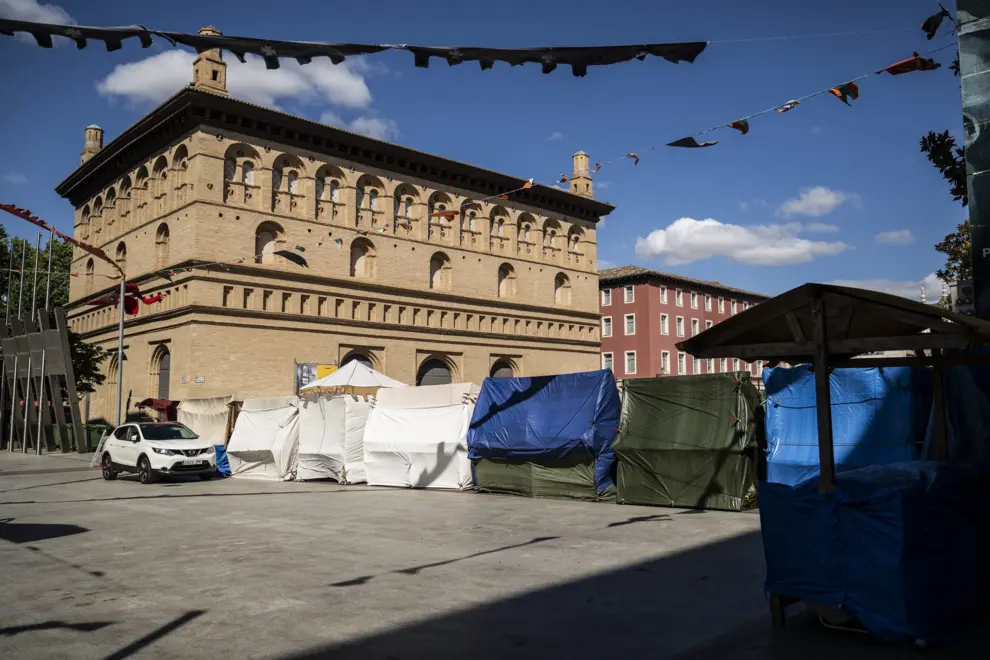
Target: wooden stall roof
857, 321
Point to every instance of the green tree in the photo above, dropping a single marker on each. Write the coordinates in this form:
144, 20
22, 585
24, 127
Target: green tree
86, 358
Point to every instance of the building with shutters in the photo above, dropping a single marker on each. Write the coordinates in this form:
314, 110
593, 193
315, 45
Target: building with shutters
644, 313
405, 272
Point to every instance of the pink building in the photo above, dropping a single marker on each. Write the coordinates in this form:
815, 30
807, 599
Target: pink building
646, 312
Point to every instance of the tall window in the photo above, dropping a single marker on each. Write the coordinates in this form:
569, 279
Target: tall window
663, 295
721, 305
229, 169
759, 367
734, 308
362, 258
440, 275
664, 324
665, 362
506, 281
695, 327
161, 367
679, 298
723, 365
161, 245
121, 256
696, 366
90, 275
630, 363
681, 363
708, 302
680, 326
247, 173
607, 361
711, 365
708, 324
694, 300
629, 293
561, 289
630, 320
264, 244
606, 297
606, 326
293, 181
735, 364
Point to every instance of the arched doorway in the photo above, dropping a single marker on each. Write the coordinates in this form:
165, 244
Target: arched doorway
434, 372
358, 357
161, 368
501, 369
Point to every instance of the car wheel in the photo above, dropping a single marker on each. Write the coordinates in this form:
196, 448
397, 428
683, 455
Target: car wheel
107, 464
144, 471
205, 477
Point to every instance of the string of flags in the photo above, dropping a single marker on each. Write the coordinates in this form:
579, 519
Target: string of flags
25, 214
579, 58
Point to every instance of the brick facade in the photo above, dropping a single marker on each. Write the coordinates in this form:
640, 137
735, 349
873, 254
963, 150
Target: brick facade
509, 281
647, 297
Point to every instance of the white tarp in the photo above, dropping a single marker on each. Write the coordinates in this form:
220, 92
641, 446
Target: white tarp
352, 378
331, 438
265, 440
417, 437
206, 417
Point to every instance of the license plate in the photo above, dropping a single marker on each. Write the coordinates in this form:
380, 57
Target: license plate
191, 462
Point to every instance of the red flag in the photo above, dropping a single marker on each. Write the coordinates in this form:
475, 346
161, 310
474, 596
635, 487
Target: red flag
741, 125
914, 63
845, 91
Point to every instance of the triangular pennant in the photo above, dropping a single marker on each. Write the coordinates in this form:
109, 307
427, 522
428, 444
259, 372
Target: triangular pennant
634, 156
691, 143
845, 91
790, 105
741, 125
914, 63
528, 184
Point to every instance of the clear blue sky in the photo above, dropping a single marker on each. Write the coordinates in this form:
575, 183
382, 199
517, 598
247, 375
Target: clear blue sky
863, 161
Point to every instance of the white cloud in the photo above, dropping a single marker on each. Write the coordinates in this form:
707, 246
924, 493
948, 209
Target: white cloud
905, 289
32, 10
899, 237
816, 202
820, 228
556, 135
156, 77
381, 129
687, 240
602, 185
15, 178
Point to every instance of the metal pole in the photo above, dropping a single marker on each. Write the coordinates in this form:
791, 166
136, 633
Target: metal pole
48, 281
27, 400
13, 405
41, 403
10, 280
120, 355
34, 287
20, 289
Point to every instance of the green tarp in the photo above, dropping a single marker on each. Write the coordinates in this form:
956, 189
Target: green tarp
570, 479
689, 441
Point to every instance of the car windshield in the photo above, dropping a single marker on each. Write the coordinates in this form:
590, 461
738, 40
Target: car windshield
167, 432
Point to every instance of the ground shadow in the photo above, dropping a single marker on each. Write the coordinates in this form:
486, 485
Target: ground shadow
640, 519
90, 626
413, 570
33, 532
169, 496
155, 635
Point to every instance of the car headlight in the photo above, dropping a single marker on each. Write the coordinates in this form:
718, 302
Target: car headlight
209, 450
163, 452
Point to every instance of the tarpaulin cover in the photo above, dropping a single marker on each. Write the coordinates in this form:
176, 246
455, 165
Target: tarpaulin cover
331, 438
559, 479
207, 417
265, 440
879, 416
570, 417
689, 441
967, 412
223, 465
416, 438
900, 547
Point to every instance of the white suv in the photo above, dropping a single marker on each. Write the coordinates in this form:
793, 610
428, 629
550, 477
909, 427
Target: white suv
157, 449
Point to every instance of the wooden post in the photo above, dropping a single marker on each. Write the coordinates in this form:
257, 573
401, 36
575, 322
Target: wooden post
938, 397
823, 399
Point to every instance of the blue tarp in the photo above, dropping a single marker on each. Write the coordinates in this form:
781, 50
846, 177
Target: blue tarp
899, 547
223, 465
548, 418
967, 412
879, 416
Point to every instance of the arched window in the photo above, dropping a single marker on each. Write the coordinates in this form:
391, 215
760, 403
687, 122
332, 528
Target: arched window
440, 272
276, 178
111, 202
161, 245
229, 169
359, 193
373, 200
561, 290
506, 281
121, 256
160, 174
433, 371
501, 369
293, 181
84, 223
247, 173
335, 191
358, 357
362, 258
161, 367
90, 275
266, 238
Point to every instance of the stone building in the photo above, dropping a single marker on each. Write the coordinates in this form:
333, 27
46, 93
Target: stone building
504, 286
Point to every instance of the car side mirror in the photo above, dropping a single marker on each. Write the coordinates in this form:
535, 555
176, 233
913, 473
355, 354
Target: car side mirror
135, 439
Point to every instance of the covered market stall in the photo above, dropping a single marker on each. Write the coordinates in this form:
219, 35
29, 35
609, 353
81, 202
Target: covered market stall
265, 441
897, 549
